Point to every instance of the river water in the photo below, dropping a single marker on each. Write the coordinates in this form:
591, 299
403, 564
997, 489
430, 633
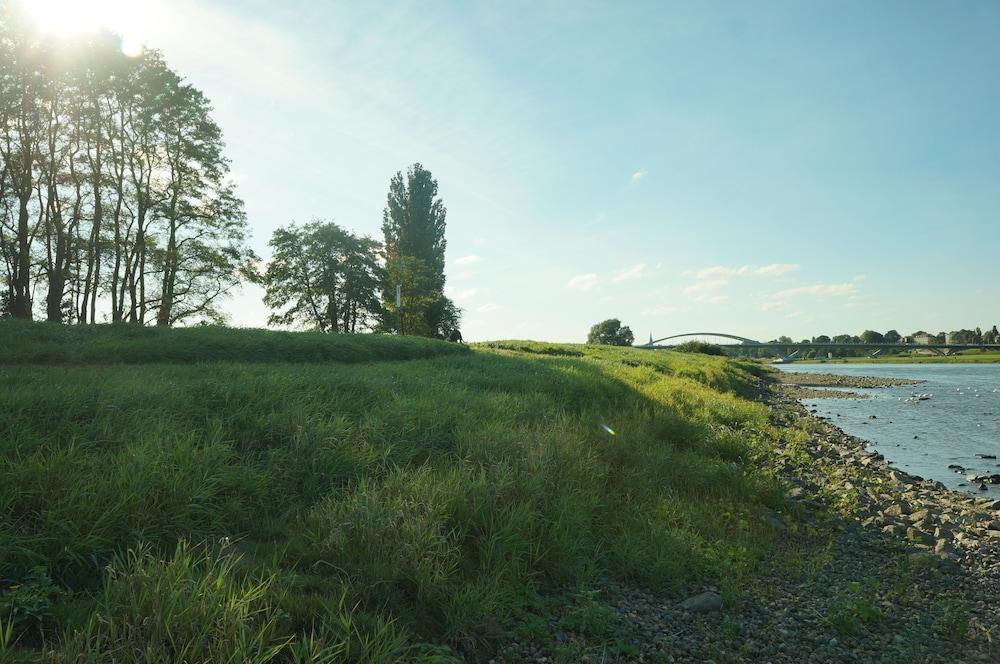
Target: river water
960, 420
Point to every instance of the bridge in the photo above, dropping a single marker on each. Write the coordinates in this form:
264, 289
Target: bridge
788, 352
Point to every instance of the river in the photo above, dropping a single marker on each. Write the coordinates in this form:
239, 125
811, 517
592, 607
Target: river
959, 421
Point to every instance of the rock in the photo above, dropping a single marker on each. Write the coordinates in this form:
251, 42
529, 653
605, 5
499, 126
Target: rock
703, 603
991, 505
918, 536
992, 534
919, 515
944, 548
987, 456
796, 492
992, 479
898, 509
983, 487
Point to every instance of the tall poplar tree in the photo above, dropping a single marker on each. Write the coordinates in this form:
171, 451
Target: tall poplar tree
413, 225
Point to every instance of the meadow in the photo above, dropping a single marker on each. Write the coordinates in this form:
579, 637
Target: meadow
217, 495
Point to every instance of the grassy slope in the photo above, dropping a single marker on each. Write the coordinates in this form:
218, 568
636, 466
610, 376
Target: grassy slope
335, 511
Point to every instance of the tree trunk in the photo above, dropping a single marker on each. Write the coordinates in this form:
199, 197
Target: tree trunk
21, 306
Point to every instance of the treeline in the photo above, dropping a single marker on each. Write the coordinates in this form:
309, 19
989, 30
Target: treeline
117, 205
976, 336
115, 197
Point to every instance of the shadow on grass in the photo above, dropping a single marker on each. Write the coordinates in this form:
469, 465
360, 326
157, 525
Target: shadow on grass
387, 505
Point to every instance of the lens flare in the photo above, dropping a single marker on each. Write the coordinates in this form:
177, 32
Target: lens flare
608, 429
64, 18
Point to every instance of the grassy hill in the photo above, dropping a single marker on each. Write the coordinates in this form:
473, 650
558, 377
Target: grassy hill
238, 495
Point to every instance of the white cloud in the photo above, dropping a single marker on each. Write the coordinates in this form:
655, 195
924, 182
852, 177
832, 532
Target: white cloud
638, 175
703, 286
717, 299
628, 273
583, 282
723, 272
818, 290
775, 306
488, 307
467, 260
461, 293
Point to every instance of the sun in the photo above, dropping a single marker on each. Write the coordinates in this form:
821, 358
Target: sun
64, 18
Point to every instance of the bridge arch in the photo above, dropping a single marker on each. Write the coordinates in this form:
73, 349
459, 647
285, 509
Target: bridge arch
743, 340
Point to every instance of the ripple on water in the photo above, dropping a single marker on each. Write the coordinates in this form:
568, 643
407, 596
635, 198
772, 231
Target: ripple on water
956, 424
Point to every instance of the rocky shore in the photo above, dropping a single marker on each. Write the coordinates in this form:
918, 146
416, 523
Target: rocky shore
810, 379
871, 565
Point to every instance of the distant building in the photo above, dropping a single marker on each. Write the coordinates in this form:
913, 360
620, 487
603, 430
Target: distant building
951, 338
923, 339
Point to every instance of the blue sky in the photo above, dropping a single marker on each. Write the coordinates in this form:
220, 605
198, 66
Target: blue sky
755, 168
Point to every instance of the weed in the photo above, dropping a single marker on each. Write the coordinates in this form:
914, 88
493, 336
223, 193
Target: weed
853, 608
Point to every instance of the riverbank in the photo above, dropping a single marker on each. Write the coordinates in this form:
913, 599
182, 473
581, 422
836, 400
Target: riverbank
966, 357
870, 565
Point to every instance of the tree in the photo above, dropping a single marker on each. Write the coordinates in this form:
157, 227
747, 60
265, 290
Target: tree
413, 226
323, 277
110, 164
610, 332
821, 339
872, 337
700, 347
892, 337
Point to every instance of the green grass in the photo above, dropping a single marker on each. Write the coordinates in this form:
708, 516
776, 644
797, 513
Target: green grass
251, 504
28, 343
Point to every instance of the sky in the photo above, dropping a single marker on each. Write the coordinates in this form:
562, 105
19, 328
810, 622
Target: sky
759, 169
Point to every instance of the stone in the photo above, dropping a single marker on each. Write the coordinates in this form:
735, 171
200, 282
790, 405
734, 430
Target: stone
918, 536
898, 509
705, 602
919, 515
992, 534
944, 548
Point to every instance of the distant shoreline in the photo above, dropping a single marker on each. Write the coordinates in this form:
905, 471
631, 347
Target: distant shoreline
977, 358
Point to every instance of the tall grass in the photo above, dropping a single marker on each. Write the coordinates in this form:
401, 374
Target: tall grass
367, 512
42, 343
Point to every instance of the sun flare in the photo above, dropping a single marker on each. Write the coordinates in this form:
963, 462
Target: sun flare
127, 18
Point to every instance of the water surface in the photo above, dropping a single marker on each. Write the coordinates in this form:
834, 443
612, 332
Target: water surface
960, 420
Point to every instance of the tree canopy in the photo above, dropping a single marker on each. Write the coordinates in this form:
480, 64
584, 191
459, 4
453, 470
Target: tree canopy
413, 226
115, 195
323, 277
610, 332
